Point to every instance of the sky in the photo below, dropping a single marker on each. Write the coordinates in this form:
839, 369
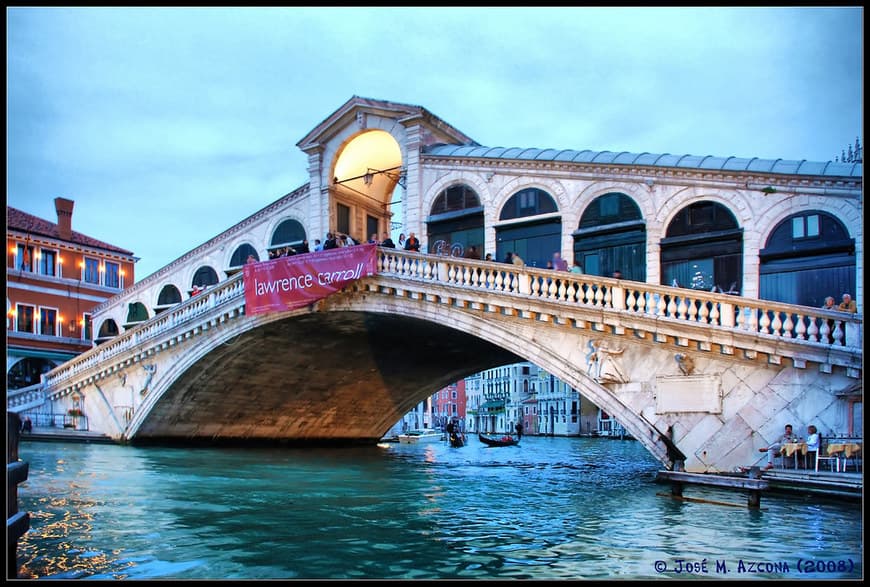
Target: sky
167, 126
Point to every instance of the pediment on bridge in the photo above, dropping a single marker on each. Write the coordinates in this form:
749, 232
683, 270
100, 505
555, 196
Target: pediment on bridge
357, 110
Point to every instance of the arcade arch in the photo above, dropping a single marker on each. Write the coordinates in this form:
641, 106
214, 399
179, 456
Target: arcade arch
456, 222
366, 172
532, 235
611, 236
807, 257
703, 248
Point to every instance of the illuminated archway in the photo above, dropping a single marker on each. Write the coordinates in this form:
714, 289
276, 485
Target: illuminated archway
365, 175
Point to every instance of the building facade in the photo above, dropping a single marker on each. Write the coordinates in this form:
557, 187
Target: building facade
55, 276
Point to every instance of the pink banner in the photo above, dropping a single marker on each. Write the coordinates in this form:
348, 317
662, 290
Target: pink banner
287, 283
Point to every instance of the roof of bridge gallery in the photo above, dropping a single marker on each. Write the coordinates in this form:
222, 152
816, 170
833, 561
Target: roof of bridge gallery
708, 162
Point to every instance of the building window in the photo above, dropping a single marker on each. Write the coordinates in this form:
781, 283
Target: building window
805, 227
48, 321
25, 322
48, 262
87, 327
113, 275
24, 258
92, 270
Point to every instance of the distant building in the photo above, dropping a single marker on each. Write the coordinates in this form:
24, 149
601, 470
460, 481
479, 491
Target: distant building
449, 403
54, 277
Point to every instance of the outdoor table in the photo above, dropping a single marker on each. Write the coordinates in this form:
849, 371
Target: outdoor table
846, 449
792, 448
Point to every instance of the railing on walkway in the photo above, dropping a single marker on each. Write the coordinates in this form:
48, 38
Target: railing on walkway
774, 320
684, 305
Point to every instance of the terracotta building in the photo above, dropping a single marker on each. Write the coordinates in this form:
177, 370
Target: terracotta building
54, 277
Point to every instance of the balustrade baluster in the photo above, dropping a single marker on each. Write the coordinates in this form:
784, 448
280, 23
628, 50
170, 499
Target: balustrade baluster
630, 300
704, 312
813, 331
763, 324
838, 333
672, 307
788, 327
801, 326
692, 310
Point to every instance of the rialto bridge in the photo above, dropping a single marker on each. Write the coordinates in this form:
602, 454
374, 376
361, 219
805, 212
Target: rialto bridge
701, 379
699, 376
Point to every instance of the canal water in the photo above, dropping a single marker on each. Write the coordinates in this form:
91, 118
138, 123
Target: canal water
550, 508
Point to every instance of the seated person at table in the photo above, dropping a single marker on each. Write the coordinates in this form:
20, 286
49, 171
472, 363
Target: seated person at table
776, 447
813, 441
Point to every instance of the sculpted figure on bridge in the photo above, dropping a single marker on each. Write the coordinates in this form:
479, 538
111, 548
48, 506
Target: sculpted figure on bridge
685, 363
602, 362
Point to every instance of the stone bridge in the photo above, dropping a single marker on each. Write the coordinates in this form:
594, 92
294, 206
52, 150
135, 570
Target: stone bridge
701, 379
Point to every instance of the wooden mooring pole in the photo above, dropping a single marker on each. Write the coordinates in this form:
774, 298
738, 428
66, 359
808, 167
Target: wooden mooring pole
17, 523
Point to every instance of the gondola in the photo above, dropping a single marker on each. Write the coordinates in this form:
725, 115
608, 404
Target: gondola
503, 440
457, 439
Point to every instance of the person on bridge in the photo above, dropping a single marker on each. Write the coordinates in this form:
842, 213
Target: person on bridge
775, 448
576, 268
848, 304
412, 243
387, 241
559, 264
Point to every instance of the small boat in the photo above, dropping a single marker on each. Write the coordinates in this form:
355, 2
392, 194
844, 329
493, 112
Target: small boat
415, 436
503, 440
456, 439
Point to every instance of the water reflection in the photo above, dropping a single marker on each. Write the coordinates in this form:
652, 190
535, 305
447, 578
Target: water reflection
552, 508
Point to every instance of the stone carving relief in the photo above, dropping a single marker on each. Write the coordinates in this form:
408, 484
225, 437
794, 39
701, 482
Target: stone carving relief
603, 362
685, 363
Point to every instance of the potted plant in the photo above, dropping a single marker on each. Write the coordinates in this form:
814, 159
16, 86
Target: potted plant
74, 414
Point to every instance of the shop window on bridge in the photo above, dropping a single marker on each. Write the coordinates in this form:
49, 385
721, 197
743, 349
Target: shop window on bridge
807, 257
455, 223
240, 257
290, 233
703, 249
611, 236
169, 296
536, 239
342, 218
108, 331
136, 314
204, 277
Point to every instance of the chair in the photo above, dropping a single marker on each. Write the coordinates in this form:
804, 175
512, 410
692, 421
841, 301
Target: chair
823, 455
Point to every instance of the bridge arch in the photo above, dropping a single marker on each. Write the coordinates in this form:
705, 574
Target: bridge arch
185, 380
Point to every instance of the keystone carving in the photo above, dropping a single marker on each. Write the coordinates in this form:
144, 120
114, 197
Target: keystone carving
685, 363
